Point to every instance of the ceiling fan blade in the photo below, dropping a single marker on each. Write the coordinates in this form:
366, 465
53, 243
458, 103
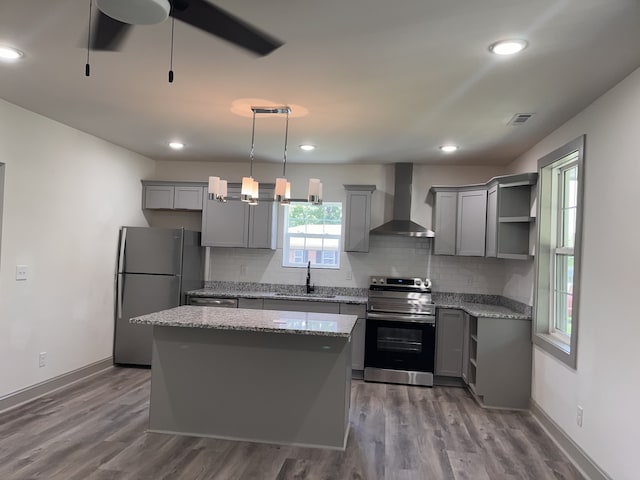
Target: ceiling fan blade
108, 33
205, 16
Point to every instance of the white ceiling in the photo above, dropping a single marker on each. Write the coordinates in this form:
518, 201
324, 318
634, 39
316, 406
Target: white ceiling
379, 81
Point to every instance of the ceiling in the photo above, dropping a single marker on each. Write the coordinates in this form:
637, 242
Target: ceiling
369, 81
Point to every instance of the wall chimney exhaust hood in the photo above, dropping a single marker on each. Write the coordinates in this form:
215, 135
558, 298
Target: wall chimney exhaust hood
401, 223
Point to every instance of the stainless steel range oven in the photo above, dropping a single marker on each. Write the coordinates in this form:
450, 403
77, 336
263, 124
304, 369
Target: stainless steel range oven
401, 331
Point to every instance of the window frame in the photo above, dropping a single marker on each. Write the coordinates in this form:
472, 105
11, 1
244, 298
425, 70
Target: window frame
285, 238
550, 210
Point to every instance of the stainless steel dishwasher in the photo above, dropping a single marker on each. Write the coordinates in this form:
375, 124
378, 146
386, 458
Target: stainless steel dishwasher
214, 302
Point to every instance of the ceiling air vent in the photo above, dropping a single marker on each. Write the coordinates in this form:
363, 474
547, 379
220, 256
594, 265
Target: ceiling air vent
519, 119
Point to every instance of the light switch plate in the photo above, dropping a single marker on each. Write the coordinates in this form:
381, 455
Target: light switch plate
22, 272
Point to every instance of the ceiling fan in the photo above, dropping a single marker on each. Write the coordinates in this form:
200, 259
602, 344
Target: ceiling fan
116, 17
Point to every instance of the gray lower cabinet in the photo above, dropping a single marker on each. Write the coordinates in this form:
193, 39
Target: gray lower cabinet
358, 336
449, 342
237, 224
499, 365
251, 303
357, 216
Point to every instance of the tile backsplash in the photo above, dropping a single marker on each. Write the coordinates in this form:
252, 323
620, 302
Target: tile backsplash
388, 255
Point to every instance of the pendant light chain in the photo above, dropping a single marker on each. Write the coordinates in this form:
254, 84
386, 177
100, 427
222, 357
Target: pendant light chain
87, 67
286, 136
253, 136
173, 24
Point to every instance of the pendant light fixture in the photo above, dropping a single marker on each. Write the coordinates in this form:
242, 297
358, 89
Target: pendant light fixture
250, 187
283, 187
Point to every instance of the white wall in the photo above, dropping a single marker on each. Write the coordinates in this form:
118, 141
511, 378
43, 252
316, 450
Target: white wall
388, 255
66, 194
606, 382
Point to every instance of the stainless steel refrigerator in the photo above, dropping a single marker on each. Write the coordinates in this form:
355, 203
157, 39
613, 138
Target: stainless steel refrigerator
156, 267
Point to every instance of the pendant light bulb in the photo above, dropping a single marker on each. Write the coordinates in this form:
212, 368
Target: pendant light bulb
281, 189
214, 187
247, 189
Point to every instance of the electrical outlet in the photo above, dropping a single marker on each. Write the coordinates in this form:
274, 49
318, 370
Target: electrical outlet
579, 416
349, 275
243, 270
22, 271
42, 359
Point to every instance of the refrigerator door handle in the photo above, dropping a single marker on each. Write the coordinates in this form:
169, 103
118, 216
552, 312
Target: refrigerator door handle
123, 241
120, 294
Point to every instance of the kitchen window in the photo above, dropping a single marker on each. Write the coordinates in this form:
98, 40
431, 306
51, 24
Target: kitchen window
560, 188
312, 233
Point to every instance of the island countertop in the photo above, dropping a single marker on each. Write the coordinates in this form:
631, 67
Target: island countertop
241, 319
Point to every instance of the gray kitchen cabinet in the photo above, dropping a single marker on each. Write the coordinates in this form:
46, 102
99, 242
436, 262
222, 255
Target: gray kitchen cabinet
167, 195
499, 365
509, 218
357, 217
158, 197
187, 198
225, 224
358, 336
471, 223
465, 347
251, 303
238, 224
449, 342
444, 222
301, 306
491, 249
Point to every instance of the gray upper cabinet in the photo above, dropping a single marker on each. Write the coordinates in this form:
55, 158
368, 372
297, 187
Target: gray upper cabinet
509, 218
449, 342
444, 222
492, 219
492, 222
158, 197
225, 224
472, 223
357, 217
187, 198
237, 224
165, 195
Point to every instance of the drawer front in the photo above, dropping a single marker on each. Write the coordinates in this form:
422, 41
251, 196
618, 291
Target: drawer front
252, 303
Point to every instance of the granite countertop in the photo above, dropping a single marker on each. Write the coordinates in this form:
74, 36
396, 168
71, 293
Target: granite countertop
483, 310
224, 293
241, 319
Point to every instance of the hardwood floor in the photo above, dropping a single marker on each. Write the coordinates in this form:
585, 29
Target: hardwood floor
95, 430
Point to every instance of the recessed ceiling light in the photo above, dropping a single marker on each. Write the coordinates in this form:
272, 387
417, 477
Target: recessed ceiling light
508, 47
307, 148
176, 145
10, 53
449, 148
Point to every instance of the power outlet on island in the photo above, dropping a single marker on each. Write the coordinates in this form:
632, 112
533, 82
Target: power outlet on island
42, 359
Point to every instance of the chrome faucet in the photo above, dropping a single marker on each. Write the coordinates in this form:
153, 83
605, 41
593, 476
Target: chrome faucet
310, 288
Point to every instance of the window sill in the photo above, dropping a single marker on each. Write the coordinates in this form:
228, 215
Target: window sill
555, 346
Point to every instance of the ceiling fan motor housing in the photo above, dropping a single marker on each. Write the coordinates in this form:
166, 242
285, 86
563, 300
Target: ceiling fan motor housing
136, 12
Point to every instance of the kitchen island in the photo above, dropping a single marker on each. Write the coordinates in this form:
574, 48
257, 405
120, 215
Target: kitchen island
255, 375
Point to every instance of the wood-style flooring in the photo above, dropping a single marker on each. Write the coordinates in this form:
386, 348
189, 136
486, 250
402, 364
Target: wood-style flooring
95, 430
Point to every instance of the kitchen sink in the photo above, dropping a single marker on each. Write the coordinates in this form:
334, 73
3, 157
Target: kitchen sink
314, 295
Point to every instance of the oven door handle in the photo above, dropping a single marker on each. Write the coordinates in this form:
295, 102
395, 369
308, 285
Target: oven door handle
391, 317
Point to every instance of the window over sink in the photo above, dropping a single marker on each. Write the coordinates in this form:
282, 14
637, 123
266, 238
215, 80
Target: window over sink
312, 233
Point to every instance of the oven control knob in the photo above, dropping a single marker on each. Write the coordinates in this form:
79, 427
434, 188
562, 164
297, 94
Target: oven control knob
382, 280
373, 280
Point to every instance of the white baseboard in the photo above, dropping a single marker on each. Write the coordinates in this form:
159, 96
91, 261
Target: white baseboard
30, 393
580, 459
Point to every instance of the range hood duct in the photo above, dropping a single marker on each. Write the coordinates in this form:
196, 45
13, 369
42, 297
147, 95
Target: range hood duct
401, 223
